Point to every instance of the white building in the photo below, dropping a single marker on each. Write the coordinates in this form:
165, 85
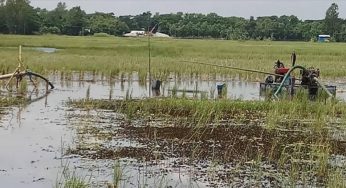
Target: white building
157, 34
142, 33
134, 34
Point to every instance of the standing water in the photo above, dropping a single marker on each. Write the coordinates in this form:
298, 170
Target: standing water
33, 138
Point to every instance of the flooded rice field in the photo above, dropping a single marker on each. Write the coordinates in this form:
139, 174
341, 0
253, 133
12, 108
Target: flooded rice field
39, 141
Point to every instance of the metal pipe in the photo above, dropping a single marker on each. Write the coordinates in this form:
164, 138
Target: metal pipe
235, 68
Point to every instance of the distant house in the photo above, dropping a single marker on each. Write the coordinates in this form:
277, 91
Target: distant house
323, 38
143, 33
157, 34
134, 34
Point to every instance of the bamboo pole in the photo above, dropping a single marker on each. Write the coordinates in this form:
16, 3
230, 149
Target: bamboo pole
19, 72
7, 76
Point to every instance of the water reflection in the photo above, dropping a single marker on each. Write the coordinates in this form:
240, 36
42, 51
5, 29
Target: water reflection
46, 50
130, 85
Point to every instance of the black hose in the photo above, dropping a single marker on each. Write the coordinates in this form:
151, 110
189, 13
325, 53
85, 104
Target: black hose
43, 78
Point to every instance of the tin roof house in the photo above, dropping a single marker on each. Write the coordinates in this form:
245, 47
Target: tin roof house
323, 38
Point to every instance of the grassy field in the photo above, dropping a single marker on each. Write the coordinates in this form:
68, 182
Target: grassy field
296, 136
113, 55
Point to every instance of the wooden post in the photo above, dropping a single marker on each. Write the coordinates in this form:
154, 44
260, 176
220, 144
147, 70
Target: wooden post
20, 55
149, 59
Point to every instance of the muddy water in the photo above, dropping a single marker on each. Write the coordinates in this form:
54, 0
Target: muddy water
129, 85
30, 140
34, 138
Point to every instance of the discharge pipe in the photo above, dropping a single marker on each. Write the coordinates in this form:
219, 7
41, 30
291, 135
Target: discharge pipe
288, 74
268, 73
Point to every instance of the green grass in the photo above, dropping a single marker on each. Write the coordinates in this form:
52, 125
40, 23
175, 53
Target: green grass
298, 158
71, 179
211, 111
9, 101
113, 54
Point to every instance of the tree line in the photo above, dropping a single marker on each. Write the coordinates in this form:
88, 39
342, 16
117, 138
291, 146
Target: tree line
19, 17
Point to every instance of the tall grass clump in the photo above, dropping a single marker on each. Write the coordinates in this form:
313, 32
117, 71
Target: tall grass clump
9, 101
287, 113
117, 176
199, 111
336, 178
70, 179
75, 182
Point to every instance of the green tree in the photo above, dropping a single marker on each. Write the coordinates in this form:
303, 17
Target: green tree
267, 27
121, 28
75, 21
57, 17
3, 28
21, 18
142, 20
342, 34
129, 21
106, 23
331, 20
251, 27
311, 29
17, 16
288, 28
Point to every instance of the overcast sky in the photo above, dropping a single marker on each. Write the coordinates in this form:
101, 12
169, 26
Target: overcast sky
304, 9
